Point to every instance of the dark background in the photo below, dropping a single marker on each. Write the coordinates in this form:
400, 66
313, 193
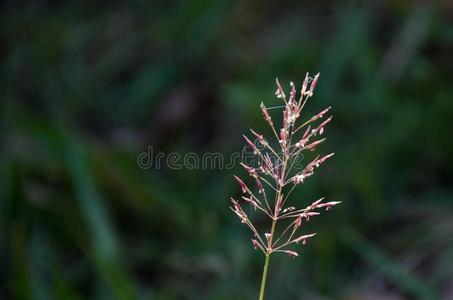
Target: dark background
86, 86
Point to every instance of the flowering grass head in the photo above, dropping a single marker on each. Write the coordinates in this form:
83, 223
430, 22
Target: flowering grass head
277, 173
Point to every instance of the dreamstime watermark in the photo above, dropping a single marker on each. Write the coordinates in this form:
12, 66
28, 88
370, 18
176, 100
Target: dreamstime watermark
205, 161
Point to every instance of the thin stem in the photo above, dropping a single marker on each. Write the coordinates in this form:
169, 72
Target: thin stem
266, 262
263, 280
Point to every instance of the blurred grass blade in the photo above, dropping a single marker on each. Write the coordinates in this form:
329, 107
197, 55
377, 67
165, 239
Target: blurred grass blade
103, 240
395, 271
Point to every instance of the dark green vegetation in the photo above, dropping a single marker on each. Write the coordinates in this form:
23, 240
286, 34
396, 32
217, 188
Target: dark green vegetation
86, 88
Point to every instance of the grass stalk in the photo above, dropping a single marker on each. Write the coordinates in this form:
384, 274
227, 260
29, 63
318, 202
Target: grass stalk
263, 280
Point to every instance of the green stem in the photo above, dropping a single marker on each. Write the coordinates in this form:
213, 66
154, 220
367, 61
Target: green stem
263, 280
266, 262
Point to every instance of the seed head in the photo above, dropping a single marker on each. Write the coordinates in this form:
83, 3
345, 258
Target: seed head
276, 170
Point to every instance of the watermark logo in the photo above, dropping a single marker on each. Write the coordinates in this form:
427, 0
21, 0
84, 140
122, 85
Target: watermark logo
151, 159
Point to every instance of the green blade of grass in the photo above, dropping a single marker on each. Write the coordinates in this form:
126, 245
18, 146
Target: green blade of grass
399, 275
103, 240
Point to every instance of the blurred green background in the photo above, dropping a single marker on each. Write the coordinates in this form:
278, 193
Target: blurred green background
86, 86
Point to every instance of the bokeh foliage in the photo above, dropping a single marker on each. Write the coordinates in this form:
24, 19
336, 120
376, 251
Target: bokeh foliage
86, 87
